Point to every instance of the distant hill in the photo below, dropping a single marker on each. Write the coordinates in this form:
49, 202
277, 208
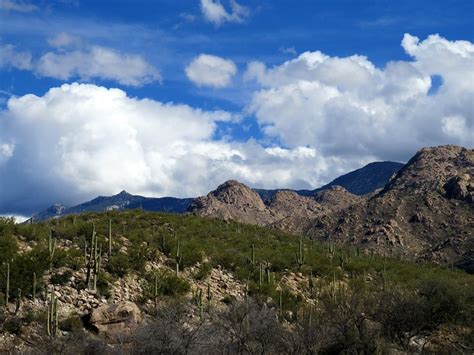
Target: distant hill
121, 201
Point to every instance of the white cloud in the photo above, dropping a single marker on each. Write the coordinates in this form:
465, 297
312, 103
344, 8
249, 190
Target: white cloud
347, 107
17, 5
81, 140
210, 70
214, 12
10, 57
98, 62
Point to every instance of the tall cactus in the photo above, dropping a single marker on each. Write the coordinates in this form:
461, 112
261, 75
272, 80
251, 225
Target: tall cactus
51, 249
18, 301
300, 257
93, 261
34, 286
7, 291
209, 296
110, 237
252, 259
52, 325
179, 258
155, 292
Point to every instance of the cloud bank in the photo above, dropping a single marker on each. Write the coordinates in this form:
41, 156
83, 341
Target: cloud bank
348, 107
325, 116
210, 70
81, 140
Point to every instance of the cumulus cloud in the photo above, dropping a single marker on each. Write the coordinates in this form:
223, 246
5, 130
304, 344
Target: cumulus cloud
10, 57
81, 140
210, 70
15, 5
98, 62
347, 107
214, 12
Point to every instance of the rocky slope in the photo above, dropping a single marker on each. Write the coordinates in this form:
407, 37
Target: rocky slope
426, 212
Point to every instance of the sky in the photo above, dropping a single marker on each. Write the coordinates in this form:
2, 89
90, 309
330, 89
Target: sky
172, 98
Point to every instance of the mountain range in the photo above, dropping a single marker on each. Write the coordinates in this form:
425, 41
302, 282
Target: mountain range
423, 210
361, 181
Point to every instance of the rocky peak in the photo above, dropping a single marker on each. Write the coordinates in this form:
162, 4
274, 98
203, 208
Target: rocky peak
433, 167
237, 194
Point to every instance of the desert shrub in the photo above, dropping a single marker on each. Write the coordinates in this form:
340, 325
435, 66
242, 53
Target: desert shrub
61, 278
203, 271
13, 325
103, 284
119, 264
168, 284
8, 247
71, 324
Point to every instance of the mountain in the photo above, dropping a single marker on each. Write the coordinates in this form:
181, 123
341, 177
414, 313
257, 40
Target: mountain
426, 212
362, 181
121, 201
285, 209
358, 182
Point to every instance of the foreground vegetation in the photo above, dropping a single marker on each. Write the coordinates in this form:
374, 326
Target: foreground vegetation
346, 301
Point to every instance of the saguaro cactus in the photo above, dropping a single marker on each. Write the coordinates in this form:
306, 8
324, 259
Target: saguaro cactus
34, 286
52, 325
300, 258
179, 258
93, 261
110, 238
7, 291
209, 296
51, 249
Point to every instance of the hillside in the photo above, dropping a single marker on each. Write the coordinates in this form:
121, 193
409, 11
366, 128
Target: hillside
170, 283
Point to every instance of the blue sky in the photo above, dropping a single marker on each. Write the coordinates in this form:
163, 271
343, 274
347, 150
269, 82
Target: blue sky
282, 111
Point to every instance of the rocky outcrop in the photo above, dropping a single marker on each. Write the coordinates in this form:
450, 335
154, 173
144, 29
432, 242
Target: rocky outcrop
461, 188
118, 318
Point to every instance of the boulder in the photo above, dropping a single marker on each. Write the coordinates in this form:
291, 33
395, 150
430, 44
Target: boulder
111, 319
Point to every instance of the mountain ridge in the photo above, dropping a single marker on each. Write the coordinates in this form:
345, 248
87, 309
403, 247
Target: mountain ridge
125, 200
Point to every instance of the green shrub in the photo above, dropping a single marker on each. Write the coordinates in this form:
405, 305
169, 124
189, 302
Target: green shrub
203, 271
119, 264
61, 278
13, 325
168, 284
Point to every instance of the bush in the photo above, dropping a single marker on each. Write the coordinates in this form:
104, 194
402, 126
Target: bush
71, 324
119, 265
61, 278
203, 271
13, 325
168, 284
